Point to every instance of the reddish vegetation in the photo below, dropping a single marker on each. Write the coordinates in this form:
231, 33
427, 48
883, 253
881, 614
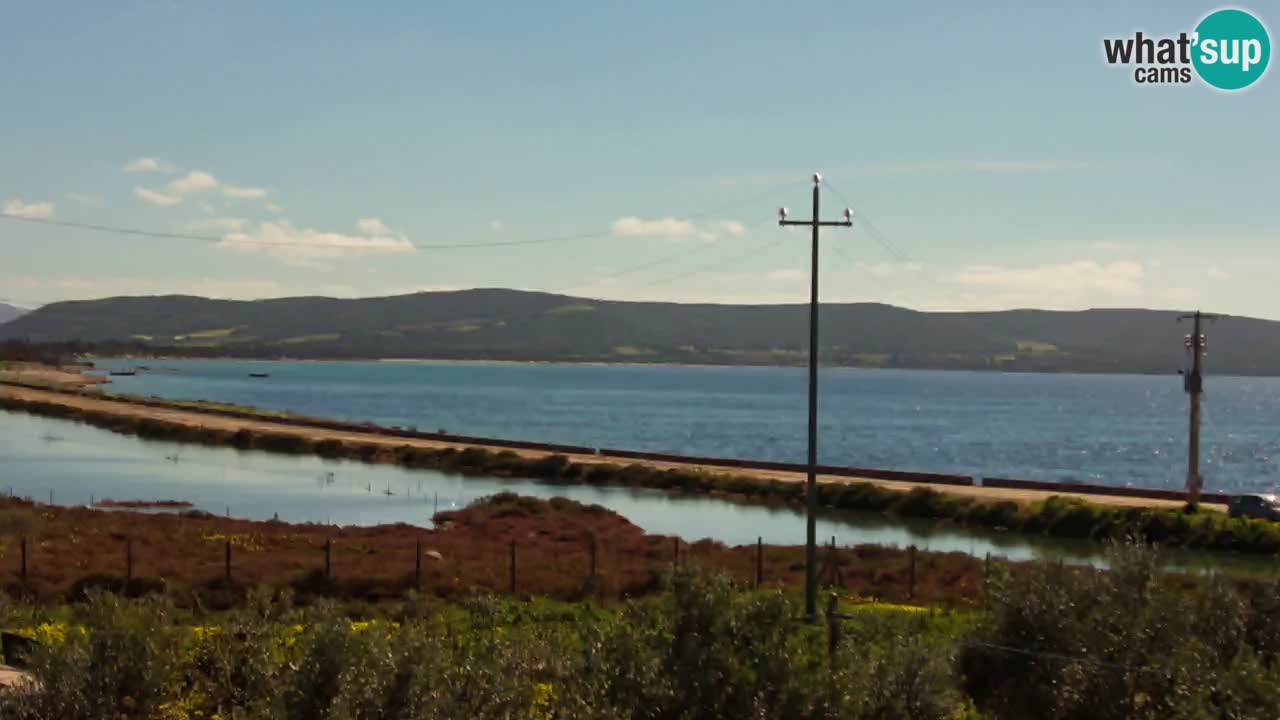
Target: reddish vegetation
68, 548
143, 504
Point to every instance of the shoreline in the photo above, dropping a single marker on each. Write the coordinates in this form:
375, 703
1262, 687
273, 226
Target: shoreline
1053, 512
636, 363
221, 416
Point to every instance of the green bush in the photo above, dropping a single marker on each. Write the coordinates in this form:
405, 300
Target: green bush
1130, 642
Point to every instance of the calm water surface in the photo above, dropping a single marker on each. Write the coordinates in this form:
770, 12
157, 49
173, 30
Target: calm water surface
1115, 429
70, 463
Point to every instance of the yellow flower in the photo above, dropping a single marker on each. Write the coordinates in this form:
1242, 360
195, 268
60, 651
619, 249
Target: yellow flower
46, 633
890, 607
544, 699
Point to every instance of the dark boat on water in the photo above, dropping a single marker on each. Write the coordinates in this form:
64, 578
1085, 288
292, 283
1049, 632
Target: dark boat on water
259, 374
122, 373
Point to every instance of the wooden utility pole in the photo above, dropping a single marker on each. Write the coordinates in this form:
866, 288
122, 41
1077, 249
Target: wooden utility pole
811, 487
1193, 383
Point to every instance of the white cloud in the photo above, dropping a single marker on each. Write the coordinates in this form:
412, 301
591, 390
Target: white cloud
220, 224
194, 181
154, 197
496, 225
888, 269
272, 207
148, 164
241, 192
373, 226
670, 228
1217, 273
786, 275
31, 211
93, 200
733, 228
305, 247
1117, 278
55, 288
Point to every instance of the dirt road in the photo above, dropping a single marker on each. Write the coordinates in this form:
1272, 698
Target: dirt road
203, 419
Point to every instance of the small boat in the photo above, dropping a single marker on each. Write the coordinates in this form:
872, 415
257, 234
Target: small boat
259, 374
124, 373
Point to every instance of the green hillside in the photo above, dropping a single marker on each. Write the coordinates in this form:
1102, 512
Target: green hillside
517, 325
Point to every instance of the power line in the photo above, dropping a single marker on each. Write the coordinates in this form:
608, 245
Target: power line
1060, 657
684, 253
114, 229
240, 240
869, 226
755, 250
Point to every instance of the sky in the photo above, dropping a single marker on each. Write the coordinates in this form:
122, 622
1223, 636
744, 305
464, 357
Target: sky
993, 159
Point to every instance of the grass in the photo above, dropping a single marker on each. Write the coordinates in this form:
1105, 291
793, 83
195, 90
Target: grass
571, 309
1128, 643
300, 339
1035, 346
209, 334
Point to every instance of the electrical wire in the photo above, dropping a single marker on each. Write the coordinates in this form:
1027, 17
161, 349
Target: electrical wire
684, 253
1060, 657
867, 225
755, 250
214, 239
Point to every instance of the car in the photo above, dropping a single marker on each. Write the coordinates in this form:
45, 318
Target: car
1255, 505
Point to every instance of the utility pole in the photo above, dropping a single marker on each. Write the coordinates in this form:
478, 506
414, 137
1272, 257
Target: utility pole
811, 487
1193, 383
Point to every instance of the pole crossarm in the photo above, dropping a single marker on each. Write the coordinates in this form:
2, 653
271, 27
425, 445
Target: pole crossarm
820, 223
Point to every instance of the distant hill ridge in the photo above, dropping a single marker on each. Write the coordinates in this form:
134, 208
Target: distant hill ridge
518, 325
9, 312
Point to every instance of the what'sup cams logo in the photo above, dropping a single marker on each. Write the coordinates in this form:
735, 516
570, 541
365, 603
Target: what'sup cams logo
1228, 50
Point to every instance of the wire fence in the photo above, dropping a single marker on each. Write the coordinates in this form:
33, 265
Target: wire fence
382, 562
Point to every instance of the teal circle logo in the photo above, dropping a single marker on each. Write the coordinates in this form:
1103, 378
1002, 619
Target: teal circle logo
1231, 49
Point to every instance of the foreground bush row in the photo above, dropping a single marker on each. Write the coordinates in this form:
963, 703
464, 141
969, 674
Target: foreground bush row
1055, 643
1059, 516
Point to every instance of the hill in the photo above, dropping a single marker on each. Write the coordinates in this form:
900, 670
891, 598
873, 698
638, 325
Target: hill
9, 312
518, 325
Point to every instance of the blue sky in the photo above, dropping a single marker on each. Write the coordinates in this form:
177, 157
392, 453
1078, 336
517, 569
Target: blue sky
989, 143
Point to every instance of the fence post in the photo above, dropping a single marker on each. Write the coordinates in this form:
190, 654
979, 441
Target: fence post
675, 552
328, 559
833, 629
226, 562
417, 563
834, 569
593, 557
986, 577
911, 573
513, 567
24, 559
128, 560
759, 561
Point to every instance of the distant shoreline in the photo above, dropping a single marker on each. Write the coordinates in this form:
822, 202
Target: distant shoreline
632, 363
636, 363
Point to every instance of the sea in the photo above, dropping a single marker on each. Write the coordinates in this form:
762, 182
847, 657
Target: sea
1124, 430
